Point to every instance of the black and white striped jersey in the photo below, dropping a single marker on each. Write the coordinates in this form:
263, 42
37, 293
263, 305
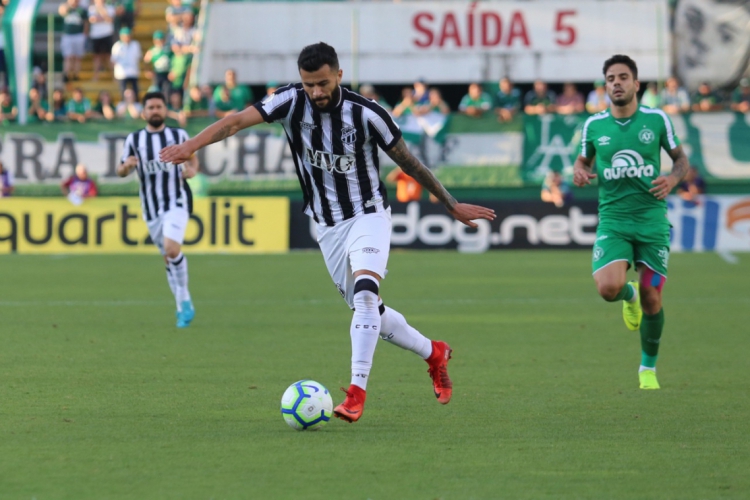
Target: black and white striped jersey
162, 186
336, 152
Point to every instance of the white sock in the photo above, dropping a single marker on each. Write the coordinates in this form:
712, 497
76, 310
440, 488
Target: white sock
397, 331
634, 298
364, 329
644, 368
172, 285
180, 274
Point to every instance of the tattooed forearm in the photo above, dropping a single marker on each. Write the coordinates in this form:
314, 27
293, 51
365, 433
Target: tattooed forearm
413, 167
681, 164
221, 134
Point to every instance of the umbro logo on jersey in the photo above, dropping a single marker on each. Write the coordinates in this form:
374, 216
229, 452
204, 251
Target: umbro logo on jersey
604, 140
307, 126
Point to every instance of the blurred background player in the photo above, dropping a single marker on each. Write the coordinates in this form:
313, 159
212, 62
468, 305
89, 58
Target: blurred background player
624, 144
166, 199
333, 131
79, 186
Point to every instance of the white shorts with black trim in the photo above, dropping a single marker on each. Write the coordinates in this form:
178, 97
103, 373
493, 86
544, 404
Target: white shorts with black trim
358, 244
171, 224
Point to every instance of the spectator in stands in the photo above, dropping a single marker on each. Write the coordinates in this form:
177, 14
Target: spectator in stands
650, 96
705, 99
104, 107
540, 100
556, 190
570, 102
79, 107
196, 104
476, 103
224, 105
407, 189
101, 31
741, 97
6, 182
57, 111
159, 56
79, 185
421, 93
508, 100
73, 40
174, 109
240, 95
369, 91
129, 107
673, 98
126, 55
174, 13
39, 80
186, 35
436, 103
179, 66
125, 13
406, 106
37, 107
208, 93
8, 109
597, 100
692, 186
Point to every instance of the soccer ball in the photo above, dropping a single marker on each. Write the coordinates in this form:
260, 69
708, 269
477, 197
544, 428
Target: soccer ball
306, 405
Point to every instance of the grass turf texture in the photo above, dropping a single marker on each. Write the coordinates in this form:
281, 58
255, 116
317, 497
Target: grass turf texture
102, 397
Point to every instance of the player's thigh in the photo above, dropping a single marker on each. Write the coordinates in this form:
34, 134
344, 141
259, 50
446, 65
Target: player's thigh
611, 246
175, 224
155, 230
369, 243
652, 249
333, 247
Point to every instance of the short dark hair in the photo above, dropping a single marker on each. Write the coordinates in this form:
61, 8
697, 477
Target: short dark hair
154, 95
621, 59
315, 56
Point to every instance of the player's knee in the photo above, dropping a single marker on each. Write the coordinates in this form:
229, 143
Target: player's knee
172, 250
608, 291
366, 290
650, 301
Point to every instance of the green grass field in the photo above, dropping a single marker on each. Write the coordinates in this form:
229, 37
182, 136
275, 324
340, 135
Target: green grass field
102, 397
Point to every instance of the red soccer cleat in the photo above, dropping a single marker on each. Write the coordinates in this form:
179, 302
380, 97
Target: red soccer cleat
438, 361
353, 406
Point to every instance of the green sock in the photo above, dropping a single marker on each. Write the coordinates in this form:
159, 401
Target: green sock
651, 328
626, 293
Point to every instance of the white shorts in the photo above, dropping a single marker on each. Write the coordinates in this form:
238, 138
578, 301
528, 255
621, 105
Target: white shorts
73, 45
170, 224
358, 244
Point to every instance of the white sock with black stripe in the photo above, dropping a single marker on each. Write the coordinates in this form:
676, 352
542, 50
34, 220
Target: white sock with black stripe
180, 274
364, 329
395, 329
172, 284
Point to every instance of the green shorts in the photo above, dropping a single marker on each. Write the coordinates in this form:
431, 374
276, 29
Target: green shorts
635, 243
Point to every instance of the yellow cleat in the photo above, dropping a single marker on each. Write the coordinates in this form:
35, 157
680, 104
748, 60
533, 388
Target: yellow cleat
648, 379
632, 313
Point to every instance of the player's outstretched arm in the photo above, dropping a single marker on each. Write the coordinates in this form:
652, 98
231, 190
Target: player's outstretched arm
582, 171
218, 131
127, 166
664, 184
413, 167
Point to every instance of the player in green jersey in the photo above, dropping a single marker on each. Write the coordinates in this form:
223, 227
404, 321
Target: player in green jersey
621, 147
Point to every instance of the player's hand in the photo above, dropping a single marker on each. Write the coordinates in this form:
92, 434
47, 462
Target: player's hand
582, 177
465, 213
177, 154
663, 185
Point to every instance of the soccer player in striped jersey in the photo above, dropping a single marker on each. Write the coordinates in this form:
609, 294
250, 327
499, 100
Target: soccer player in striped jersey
623, 144
335, 135
166, 200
